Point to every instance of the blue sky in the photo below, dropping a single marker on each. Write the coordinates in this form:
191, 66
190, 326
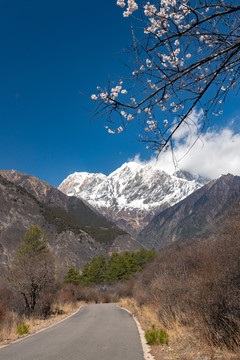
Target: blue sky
50, 51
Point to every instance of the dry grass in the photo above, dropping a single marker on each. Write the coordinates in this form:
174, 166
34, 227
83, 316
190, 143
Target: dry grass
184, 343
145, 313
192, 290
8, 329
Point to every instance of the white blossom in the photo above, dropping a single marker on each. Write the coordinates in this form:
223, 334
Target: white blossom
123, 113
132, 6
149, 63
121, 3
104, 96
167, 96
149, 9
147, 110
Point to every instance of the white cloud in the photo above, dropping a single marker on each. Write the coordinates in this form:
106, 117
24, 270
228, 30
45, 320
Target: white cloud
216, 152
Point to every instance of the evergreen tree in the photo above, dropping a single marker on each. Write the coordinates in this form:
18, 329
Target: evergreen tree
72, 277
130, 263
94, 272
143, 256
116, 269
33, 243
32, 271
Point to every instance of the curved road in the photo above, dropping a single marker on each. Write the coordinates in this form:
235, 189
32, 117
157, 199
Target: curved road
95, 332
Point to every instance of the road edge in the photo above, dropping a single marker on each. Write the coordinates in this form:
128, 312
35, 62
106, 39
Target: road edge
46, 328
146, 348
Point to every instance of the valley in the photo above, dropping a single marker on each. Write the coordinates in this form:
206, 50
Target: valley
95, 247
135, 206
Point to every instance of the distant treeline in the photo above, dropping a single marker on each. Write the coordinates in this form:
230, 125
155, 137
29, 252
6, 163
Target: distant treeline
116, 268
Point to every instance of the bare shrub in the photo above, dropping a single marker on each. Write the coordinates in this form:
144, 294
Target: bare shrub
87, 294
105, 297
197, 285
125, 289
66, 294
3, 312
45, 306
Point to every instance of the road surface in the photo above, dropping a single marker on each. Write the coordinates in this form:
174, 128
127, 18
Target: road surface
95, 332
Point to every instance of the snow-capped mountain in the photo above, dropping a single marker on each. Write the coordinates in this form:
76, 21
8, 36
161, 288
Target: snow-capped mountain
131, 195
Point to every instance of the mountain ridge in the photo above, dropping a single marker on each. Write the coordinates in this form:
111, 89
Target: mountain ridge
196, 216
73, 240
132, 194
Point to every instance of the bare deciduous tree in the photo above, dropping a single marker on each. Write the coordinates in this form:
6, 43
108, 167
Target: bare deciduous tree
188, 58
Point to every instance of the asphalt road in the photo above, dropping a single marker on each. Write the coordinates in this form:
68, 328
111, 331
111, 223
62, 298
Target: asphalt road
95, 332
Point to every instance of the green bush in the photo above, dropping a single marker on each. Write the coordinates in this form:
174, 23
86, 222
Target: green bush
22, 329
156, 337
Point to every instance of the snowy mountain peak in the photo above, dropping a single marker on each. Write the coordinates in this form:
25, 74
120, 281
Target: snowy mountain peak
80, 180
129, 169
132, 194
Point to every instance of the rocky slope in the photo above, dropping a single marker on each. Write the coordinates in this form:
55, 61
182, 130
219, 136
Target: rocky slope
133, 194
97, 226
196, 216
76, 233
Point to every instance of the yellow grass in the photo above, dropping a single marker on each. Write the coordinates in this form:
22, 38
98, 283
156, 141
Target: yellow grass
8, 332
184, 344
9, 328
145, 314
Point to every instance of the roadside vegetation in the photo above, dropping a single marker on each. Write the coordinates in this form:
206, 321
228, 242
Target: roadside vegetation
29, 293
32, 297
192, 290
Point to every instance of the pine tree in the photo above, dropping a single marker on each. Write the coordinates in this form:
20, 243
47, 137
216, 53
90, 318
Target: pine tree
72, 277
32, 271
94, 272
